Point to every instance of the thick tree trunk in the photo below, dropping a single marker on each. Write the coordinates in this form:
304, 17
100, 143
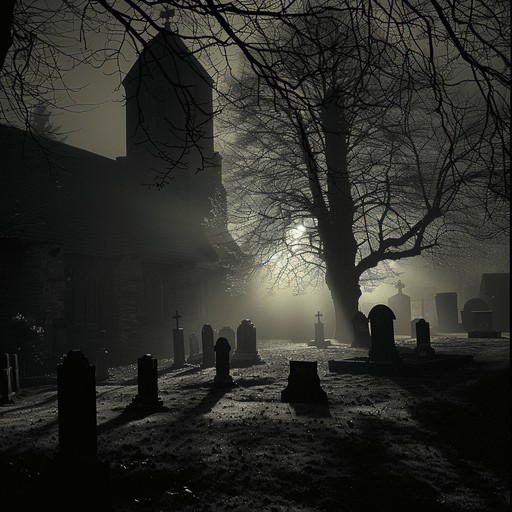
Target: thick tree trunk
336, 231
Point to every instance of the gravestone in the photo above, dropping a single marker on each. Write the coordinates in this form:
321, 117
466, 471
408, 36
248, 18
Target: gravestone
208, 346
229, 334
246, 353
147, 384
495, 290
178, 343
76, 399
474, 304
304, 384
414, 321
423, 349
400, 303
222, 377
447, 312
6, 391
102, 365
362, 338
483, 325
320, 341
382, 333
81, 475
194, 355
15, 373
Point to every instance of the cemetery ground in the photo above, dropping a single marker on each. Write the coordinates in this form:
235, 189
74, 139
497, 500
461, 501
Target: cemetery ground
438, 442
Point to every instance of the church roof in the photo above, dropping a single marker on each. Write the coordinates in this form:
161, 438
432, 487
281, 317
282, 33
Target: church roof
167, 51
55, 193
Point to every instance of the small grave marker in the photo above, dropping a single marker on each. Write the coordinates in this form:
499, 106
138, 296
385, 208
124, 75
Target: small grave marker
304, 384
423, 349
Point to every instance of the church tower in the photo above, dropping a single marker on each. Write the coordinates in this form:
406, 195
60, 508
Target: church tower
169, 125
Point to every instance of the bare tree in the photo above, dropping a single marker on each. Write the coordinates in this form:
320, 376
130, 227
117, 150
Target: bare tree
358, 164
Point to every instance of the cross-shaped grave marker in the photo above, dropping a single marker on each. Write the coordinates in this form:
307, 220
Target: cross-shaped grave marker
177, 317
318, 315
399, 286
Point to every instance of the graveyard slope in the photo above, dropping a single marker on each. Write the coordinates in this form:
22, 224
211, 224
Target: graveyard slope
437, 442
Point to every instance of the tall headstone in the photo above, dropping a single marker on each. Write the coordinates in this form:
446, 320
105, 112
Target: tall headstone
82, 479
147, 384
6, 391
360, 325
76, 399
246, 353
447, 312
178, 343
495, 290
383, 337
222, 377
423, 349
208, 346
400, 303
304, 384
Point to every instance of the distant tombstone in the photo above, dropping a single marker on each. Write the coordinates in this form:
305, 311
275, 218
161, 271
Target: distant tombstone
222, 377
320, 341
178, 343
229, 334
76, 399
102, 365
194, 355
495, 290
400, 303
15, 373
447, 312
382, 333
468, 320
483, 325
423, 349
147, 384
208, 346
246, 353
414, 321
6, 391
304, 384
362, 338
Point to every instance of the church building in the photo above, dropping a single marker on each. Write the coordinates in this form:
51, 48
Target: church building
106, 253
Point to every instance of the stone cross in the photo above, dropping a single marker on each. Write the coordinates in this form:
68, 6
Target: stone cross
166, 15
177, 318
318, 315
399, 286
